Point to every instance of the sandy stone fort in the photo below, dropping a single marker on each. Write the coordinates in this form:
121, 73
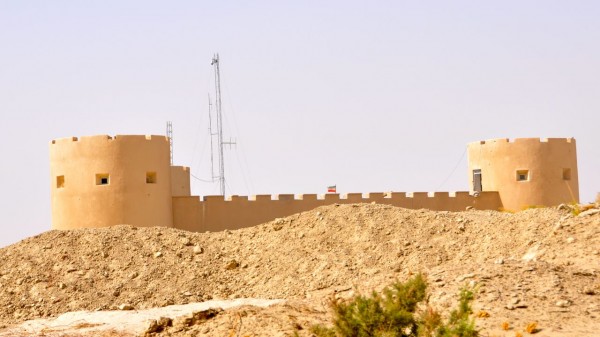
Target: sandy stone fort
100, 181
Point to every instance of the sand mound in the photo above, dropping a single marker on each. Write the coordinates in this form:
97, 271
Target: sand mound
538, 265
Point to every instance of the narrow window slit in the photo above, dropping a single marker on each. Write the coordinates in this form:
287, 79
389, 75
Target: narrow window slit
150, 177
566, 174
522, 175
60, 182
102, 179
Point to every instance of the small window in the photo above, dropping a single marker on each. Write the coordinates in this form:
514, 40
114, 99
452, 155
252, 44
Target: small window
150, 177
60, 181
566, 174
102, 179
522, 175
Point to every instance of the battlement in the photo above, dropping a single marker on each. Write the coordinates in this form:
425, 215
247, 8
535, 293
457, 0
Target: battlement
522, 141
353, 197
105, 180
216, 212
108, 138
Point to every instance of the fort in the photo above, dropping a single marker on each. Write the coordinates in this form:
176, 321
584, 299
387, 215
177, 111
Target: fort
99, 181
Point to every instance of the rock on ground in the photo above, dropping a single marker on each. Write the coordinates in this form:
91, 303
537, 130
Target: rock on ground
522, 265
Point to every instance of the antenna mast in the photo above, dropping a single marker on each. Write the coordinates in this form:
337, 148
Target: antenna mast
219, 133
211, 134
170, 136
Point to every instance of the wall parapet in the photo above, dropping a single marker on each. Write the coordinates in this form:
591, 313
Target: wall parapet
139, 184
359, 197
214, 213
524, 140
107, 138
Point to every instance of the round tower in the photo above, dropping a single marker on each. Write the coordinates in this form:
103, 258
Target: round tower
100, 181
526, 172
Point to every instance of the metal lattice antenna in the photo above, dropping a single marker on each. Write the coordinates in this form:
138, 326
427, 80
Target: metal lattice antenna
215, 64
220, 143
170, 136
210, 132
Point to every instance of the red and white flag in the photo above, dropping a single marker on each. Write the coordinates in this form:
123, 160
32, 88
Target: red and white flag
331, 189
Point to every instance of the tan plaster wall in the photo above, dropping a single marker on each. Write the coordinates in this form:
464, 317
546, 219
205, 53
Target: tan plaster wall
180, 181
214, 213
187, 213
499, 160
127, 199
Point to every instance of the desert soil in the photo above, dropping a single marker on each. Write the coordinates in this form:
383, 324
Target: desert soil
539, 265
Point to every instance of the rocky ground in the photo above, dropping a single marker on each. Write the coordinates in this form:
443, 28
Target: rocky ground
539, 265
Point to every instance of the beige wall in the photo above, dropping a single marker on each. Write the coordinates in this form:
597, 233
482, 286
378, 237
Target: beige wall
215, 213
544, 159
144, 190
127, 198
180, 181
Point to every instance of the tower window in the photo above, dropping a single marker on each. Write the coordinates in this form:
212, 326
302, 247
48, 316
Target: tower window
566, 174
60, 181
102, 179
150, 177
522, 175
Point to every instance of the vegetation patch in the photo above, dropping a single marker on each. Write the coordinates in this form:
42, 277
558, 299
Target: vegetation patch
394, 313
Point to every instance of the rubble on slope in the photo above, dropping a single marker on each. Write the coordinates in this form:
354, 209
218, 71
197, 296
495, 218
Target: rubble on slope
541, 264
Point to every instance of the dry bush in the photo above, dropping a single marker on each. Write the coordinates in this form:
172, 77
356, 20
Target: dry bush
531, 328
482, 314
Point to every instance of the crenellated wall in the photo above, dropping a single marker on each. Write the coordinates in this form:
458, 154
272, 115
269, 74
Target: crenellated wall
100, 181
215, 213
527, 171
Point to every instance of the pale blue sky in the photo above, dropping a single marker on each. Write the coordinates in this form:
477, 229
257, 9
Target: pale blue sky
371, 96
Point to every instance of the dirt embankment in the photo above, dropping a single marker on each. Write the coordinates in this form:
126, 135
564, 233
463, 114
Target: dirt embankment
539, 265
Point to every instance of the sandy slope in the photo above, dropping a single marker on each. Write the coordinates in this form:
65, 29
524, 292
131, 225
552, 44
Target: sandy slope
539, 265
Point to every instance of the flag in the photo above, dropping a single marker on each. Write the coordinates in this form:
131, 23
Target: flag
331, 189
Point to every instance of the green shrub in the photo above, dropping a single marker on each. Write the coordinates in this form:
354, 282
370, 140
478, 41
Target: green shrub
392, 314
459, 324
